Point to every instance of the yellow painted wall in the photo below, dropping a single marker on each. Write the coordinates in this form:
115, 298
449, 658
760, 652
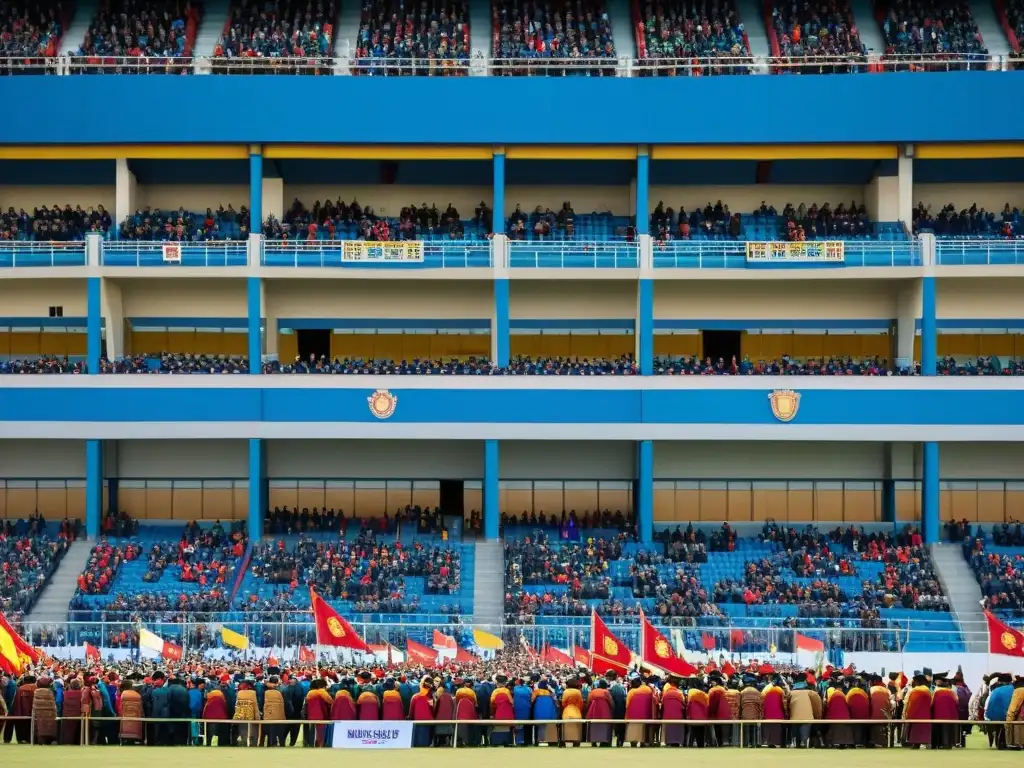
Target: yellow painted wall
54, 500
29, 197
23, 344
188, 342
572, 345
766, 346
443, 299
394, 346
190, 501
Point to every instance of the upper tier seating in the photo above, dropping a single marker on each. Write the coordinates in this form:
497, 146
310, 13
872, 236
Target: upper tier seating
540, 31
31, 30
821, 30
973, 222
427, 38
30, 551
997, 557
930, 27
159, 29
339, 220
56, 223
471, 366
261, 30
184, 226
694, 32
565, 224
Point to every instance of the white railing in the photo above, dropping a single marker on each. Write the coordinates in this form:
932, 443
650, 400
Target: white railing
979, 252
573, 255
541, 67
732, 254
328, 253
31, 253
140, 253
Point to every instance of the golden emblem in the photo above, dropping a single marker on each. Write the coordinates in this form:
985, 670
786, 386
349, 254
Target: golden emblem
661, 648
611, 647
785, 404
1009, 641
335, 628
382, 403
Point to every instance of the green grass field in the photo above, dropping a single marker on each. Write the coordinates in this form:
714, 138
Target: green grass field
539, 757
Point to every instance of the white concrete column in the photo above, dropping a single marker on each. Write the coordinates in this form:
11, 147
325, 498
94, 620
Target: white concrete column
270, 326
273, 201
908, 310
905, 187
126, 189
113, 318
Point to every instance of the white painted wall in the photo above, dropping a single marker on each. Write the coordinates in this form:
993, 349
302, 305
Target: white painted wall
766, 461
566, 460
182, 459
58, 459
992, 298
33, 298
29, 197
981, 461
376, 459
882, 199
790, 299
273, 198
583, 299
192, 197
113, 315
171, 297
745, 199
991, 197
456, 299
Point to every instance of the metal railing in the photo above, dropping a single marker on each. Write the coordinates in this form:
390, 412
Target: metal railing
573, 255
328, 253
137, 253
725, 254
979, 252
31, 253
515, 67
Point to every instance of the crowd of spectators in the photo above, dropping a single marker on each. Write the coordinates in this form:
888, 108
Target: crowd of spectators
687, 365
803, 223
412, 517
176, 363
151, 29
698, 32
980, 366
542, 223
30, 30
103, 565
41, 365
570, 525
469, 366
426, 38
914, 27
968, 222
820, 30
29, 556
1000, 574
203, 556
576, 35
184, 226
260, 30
53, 223
339, 220
713, 222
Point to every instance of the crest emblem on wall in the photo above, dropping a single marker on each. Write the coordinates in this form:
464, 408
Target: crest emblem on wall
785, 404
382, 403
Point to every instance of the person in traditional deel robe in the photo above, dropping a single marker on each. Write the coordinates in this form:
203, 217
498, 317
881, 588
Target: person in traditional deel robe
859, 703
466, 733
217, 710
718, 708
247, 710
196, 700
545, 708
276, 711
44, 712
618, 693
751, 707
502, 708
896, 694
483, 690
318, 706
963, 698
639, 707
368, 704
697, 708
391, 707
522, 702
837, 712
178, 704
599, 707
996, 706
673, 707
881, 711
572, 713
71, 724
945, 706
918, 706
1015, 716
804, 704
158, 705
774, 710
133, 726
421, 712
23, 708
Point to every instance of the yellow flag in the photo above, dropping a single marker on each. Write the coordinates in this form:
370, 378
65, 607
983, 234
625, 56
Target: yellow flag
11, 660
234, 639
487, 641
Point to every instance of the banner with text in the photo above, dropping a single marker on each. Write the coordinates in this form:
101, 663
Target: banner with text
172, 253
406, 251
820, 251
385, 734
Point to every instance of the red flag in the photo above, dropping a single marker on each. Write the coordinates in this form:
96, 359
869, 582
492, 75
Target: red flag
707, 641
656, 650
608, 652
306, 656
1003, 639
710, 667
443, 641
462, 656
172, 652
92, 653
420, 654
736, 638
903, 680
552, 655
805, 643
332, 629
581, 656
766, 669
15, 653
728, 669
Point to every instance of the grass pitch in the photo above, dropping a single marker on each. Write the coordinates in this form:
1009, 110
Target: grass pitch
977, 752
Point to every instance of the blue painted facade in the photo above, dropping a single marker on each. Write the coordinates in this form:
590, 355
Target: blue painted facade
659, 110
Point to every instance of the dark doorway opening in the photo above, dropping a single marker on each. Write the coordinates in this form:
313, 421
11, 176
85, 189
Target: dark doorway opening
315, 342
721, 344
452, 497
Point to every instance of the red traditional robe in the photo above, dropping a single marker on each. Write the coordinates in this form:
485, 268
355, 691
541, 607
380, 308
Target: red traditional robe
697, 705
836, 708
918, 706
392, 707
773, 708
343, 708
673, 707
368, 706
718, 704
639, 706
421, 706
465, 704
599, 707
318, 707
945, 706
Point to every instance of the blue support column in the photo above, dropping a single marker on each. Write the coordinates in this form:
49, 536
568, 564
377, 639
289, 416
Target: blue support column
645, 326
930, 494
929, 339
643, 177
257, 487
498, 195
93, 487
93, 324
645, 491
256, 189
492, 515
254, 303
501, 323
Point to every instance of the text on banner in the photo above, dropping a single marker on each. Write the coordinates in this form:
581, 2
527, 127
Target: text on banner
384, 734
405, 251
830, 251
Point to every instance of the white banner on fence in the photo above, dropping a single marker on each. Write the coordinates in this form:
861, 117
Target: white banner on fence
825, 251
360, 250
386, 734
172, 253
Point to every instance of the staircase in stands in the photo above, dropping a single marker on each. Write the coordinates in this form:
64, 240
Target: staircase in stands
489, 583
52, 605
961, 587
